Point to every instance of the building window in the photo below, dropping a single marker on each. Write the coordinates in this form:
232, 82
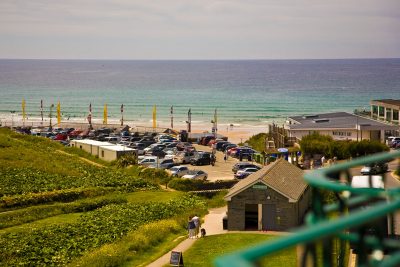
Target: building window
381, 111
102, 153
80, 147
375, 110
395, 115
388, 114
341, 133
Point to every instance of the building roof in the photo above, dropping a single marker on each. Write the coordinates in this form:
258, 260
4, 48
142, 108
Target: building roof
393, 103
336, 120
117, 148
281, 176
93, 142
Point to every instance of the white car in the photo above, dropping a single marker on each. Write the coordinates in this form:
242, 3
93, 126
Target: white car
179, 171
240, 174
196, 174
148, 161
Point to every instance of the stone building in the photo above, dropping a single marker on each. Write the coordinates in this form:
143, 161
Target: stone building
274, 198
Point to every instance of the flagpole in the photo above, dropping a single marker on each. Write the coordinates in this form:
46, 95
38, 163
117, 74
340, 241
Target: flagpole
41, 110
172, 117
23, 112
89, 117
189, 120
122, 114
58, 114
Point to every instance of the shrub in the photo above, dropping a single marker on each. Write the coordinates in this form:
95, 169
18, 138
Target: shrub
196, 185
325, 145
31, 214
142, 239
66, 195
59, 244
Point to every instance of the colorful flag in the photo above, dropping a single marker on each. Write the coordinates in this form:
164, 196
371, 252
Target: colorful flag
58, 113
41, 108
105, 114
154, 116
23, 110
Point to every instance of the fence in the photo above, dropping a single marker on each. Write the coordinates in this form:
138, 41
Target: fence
354, 220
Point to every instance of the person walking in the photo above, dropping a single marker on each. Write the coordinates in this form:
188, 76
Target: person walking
191, 228
196, 221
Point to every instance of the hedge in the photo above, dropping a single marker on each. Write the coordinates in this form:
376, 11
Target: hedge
197, 185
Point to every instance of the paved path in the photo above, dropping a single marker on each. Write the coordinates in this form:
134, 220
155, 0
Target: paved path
212, 224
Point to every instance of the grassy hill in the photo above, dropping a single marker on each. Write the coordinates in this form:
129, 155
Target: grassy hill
61, 206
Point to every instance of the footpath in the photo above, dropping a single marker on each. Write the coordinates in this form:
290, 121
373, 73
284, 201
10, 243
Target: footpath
212, 224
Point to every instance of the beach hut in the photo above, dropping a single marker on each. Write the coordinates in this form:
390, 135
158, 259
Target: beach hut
273, 198
110, 153
90, 146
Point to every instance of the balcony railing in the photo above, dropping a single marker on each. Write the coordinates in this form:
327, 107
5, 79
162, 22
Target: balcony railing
352, 220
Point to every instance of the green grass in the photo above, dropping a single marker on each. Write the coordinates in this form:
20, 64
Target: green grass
55, 220
205, 250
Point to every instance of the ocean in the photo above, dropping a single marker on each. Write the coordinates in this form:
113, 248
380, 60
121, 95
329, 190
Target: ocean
244, 92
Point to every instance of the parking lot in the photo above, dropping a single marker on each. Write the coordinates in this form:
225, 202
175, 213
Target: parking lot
221, 170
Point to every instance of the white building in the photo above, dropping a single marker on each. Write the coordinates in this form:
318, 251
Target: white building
338, 125
110, 153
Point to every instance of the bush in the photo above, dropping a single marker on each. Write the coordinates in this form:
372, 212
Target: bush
31, 214
59, 244
66, 195
142, 239
196, 185
325, 145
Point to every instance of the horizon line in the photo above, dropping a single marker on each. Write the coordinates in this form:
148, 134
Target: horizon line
227, 59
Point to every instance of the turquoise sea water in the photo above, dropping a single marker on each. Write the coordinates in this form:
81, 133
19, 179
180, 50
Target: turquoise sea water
244, 92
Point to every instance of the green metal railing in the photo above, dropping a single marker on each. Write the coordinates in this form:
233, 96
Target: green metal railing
350, 220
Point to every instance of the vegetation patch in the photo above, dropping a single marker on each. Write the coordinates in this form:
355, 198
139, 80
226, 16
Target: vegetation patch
132, 248
196, 184
60, 244
17, 217
325, 145
205, 250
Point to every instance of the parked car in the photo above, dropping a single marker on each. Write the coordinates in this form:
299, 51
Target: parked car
241, 174
183, 157
243, 165
196, 174
179, 171
149, 161
219, 145
112, 139
376, 168
166, 164
201, 158
392, 139
227, 146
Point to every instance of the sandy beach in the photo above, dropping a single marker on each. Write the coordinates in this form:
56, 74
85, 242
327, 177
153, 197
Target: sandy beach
236, 133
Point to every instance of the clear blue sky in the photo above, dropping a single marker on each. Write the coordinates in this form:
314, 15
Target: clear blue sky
199, 29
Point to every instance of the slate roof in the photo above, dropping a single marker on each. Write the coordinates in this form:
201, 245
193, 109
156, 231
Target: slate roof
281, 176
335, 120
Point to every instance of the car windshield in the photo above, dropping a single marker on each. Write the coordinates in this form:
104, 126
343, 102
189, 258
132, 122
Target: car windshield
174, 169
192, 172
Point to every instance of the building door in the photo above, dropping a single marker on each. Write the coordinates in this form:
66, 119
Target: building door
269, 217
251, 217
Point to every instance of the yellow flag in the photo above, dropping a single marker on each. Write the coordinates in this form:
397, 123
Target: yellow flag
58, 113
154, 116
105, 114
23, 109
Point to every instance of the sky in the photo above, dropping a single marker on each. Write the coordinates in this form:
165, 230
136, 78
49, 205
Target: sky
199, 29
